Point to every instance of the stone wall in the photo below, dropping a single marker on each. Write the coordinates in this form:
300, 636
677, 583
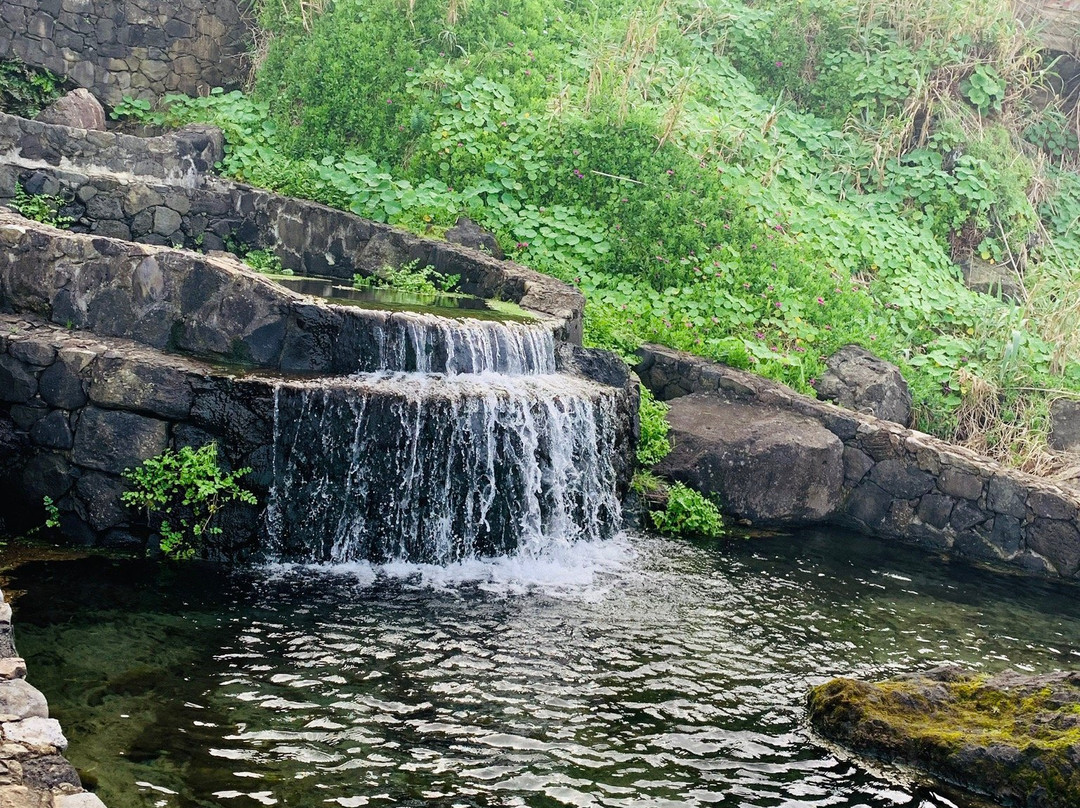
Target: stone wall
33, 771
873, 475
154, 192
139, 48
177, 158
213, 307
77, 409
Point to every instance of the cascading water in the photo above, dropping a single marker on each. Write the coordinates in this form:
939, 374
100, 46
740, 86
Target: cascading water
429, 344
492, 454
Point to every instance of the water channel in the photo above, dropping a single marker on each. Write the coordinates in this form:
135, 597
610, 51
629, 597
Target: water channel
633, 671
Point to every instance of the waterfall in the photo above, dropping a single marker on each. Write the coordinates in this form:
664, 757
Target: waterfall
480, 449
425, 343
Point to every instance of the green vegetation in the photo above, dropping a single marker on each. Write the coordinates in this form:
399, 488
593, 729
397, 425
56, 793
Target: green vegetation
265, 261
25, 90
409, 277
653, 445
52, 513
688, 513
42, 208
756, 183
182, 492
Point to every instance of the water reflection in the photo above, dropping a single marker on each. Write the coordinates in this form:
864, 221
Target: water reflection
664, 674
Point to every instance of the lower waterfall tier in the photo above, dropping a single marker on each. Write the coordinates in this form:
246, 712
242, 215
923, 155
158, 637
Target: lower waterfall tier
433, 469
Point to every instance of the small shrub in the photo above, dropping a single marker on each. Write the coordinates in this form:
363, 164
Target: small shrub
688, 513
185, 490
265, 261
41, 208
26, 90
985, 89
408, 277
52, 513
653, 445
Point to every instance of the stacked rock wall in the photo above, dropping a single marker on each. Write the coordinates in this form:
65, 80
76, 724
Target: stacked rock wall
76, 410
154, 191
33, 771
138, 48
178, 158
874, 475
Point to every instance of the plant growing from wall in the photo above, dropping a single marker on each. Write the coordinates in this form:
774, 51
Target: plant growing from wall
183, 491
26, 90
265, 261
688, 513
42, 208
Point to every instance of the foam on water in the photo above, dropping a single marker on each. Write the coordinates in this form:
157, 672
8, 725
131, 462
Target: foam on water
576, 570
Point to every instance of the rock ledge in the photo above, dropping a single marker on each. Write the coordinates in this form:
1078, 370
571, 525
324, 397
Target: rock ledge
1012, 737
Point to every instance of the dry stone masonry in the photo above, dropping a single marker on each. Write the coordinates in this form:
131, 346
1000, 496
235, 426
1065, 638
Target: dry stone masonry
138, 48
777, 457
33, 770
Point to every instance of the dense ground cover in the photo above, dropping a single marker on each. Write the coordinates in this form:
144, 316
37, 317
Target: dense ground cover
756, 183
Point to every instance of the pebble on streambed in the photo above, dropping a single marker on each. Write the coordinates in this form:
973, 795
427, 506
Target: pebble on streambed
1012, 737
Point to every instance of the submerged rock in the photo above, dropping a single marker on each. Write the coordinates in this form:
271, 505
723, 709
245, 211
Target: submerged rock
1013, 737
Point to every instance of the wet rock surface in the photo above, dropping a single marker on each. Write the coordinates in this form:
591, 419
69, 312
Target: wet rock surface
1012, 737
894, 481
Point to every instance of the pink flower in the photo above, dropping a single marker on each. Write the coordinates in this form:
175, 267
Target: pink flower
821, 301
779, 305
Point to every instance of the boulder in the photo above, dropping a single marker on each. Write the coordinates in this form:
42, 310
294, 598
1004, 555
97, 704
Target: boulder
1012, 737
858, 380
1065, 425
992, 279
468, 233
78, 109
765, 464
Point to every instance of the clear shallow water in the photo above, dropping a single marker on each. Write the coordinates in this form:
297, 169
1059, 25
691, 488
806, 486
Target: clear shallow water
644, 672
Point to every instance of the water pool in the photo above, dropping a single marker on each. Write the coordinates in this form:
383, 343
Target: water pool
637, 672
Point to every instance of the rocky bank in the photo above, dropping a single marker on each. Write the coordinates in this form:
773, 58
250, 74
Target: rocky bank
1012, 737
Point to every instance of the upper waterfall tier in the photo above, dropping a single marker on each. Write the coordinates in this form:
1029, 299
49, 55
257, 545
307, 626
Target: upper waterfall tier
429, 344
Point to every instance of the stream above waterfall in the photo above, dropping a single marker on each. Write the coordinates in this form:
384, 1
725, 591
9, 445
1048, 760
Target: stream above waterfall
635, 671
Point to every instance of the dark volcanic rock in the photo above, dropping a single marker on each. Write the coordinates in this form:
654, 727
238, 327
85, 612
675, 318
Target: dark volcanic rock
1013, 737
858, 380
468, 233
765, 464
1065, 425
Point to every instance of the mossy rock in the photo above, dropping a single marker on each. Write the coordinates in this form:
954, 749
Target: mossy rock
1012, 737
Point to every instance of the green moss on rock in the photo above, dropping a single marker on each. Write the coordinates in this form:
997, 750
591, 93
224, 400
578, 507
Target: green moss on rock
1012, 737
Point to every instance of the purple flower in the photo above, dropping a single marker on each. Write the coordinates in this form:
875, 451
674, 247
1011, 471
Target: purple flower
821, 301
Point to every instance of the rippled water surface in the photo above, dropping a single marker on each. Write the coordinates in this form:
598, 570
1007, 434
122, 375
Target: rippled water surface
645, 672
